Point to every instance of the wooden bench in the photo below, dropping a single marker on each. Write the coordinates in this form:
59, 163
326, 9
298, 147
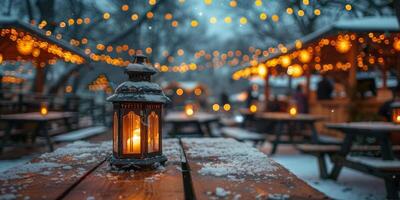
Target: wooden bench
321, 150
388, 170
80, 134
242, 135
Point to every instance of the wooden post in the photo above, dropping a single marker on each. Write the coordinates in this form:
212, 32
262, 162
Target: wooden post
351, 57
308, 83
266, 90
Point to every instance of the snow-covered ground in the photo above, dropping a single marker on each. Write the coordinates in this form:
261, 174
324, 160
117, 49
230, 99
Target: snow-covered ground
350, 185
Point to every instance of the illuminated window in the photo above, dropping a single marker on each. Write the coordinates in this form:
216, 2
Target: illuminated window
115, 127
131, 133
153, 133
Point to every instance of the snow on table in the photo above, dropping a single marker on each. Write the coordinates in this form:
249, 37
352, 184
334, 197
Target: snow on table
219, 165
53, 171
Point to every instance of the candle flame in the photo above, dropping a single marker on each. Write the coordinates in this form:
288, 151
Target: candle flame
43, 110
133, 142
293, 111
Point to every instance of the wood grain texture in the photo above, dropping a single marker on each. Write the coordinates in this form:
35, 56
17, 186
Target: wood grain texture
278, 183
164, 183
51, 183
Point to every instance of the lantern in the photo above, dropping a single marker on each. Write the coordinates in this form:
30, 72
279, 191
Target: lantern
395, 112
189, 110
43, 109
292, 109
137, 119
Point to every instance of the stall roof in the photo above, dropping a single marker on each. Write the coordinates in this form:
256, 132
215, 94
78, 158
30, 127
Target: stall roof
14, 23
365, 24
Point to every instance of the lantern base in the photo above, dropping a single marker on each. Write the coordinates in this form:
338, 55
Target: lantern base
134, 163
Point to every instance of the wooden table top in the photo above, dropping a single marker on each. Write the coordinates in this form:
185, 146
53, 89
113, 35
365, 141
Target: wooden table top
281, 116
36, 116
201, 168
365, 126
180, 117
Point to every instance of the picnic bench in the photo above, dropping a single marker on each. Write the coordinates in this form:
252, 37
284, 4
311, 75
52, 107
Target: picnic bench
197, 168
293, 125
242, 135
200, 121
42, 128
386, 167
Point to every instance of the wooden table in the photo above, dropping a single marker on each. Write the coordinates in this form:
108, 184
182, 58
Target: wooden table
197, 168
201, 121
282, 120
380, 131
34, 117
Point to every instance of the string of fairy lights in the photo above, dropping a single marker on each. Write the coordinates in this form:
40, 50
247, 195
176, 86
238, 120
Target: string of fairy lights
218, 59
310, 57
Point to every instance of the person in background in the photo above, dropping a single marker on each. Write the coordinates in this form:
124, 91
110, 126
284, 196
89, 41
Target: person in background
224, 98
324, 89
274, 105
252, 95
301, 99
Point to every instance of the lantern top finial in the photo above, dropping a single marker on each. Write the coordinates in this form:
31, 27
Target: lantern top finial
139, 87
140, 70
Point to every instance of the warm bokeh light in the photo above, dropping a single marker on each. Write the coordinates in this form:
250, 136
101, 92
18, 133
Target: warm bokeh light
304, 56
189, 110
295, 70
285, 61
253, 108
215, 107
343, 45
227, 107
293, 111
179, 91
197, 91
396, 45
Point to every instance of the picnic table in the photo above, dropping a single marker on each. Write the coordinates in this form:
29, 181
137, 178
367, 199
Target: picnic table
201, 121
42, 122
386, 168
197, 168
280, 121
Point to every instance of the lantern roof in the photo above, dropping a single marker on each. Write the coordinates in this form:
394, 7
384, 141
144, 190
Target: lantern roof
139, 88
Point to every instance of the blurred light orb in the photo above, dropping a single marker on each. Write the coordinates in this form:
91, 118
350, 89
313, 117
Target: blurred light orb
263, 16
343, 45
25, 46
396, 45
208, 2
1, 58
213, 20
194, 23
243, 20
304, 56
285, 61
262, 70
197, 91
215, 107
233, 3
228, 20
253, 108
106, 16
227, 107
295, 70
179, 91
258, 3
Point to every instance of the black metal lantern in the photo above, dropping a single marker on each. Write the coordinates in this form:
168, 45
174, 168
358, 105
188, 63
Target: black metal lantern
137, 118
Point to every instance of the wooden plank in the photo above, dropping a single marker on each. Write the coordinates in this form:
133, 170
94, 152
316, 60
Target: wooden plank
80, 134
230, 169
50, 175
164, 183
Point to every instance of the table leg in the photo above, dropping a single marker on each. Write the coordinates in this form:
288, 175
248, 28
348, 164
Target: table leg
338, 159
43, 128
7, 135
278, 133
314, 133
208, 128
386, 148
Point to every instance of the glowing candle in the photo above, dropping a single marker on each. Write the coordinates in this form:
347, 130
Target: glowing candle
293, 111
189, 111
43, 110
133, 142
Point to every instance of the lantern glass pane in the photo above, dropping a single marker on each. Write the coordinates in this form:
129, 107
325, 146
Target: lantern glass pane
131, 133
115, 127
153, 133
